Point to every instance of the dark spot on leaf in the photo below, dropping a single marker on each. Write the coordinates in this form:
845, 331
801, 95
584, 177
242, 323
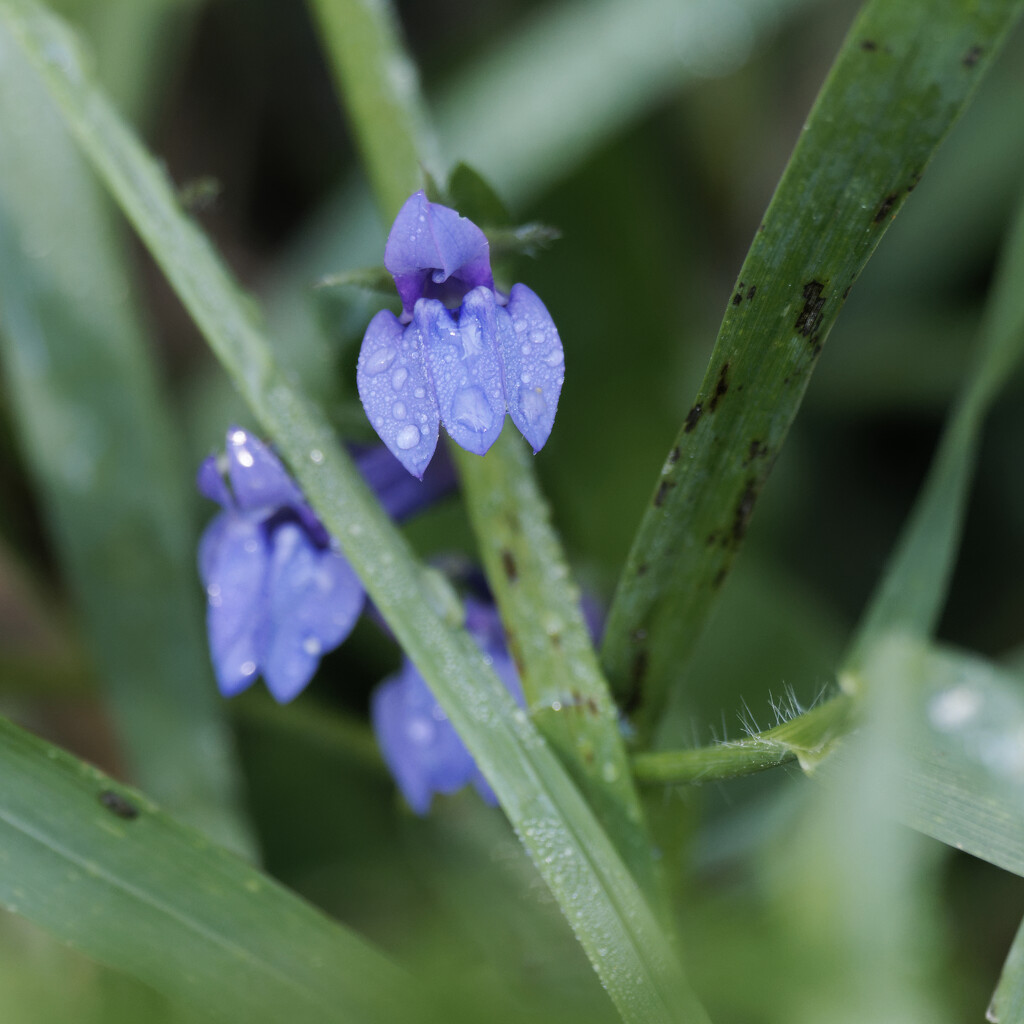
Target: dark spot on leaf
815, 346
712, 537
751, 292
556, 641
588, 755
641, 570
591, 705
737, 298
637, 672
972, 56
887, 204
673, 456
721, 387
719, 578
810, 316
512, 519
744, 510
117, 804
638, 635
693, 416
663, 488
508, 563
757, 450
869, 44
846, 291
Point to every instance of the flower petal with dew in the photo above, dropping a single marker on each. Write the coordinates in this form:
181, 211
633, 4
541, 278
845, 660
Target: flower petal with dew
433, 253
462, 351
279, 592
419, 743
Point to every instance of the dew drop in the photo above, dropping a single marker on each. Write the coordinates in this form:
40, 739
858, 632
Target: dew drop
399, 377
248, 668
408, 437
419, 393
311, 645
555, 357
316, 456
524, 377
533, 405
245, 458
251, 546
398, 410
379, 360
470, 410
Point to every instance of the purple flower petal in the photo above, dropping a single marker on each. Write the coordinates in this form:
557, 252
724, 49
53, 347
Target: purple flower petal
313, 601
534, 365
434, 253
464, 363
237, 569
210, 483
398, 492
396, 392
257, 477
419, 743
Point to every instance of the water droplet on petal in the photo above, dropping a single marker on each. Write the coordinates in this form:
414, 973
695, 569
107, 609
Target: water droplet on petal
398, 410
408, 437
311, 645
555, 357
248, 668
245, 458
419, 393
470, 409
399, 377
380, 359
533, 405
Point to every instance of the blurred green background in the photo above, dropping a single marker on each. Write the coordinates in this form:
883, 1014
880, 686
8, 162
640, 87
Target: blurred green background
656, 169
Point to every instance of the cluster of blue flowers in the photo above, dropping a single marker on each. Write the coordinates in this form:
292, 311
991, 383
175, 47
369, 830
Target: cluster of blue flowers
280, 593
461, 353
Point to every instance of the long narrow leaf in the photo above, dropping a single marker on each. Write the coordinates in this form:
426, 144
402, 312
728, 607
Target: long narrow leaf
903, 76
575, 857
98, 865
101, 445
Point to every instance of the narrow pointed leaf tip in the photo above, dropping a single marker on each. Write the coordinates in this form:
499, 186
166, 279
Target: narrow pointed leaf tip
279, 592
462, 353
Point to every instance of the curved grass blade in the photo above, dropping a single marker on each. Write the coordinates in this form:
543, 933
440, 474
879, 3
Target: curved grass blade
399, 151
902, 77
101, 867
913, 589
569, 699
580, 865
101, 446
1007, 1004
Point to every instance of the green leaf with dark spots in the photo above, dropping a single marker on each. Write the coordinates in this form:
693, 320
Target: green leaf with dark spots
902, 78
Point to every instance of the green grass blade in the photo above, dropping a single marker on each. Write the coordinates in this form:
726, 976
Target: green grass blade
965, 767
1007, 1006
901, 79
101, 445
913, 589
569, 699
99, 866
572, 853
393, 137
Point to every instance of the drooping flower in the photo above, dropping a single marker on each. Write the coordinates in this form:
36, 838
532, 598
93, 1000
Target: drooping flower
419, 743
280, 593
462, 353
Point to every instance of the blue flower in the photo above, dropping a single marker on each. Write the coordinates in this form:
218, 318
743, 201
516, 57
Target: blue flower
461, 354
419, 743
279, 592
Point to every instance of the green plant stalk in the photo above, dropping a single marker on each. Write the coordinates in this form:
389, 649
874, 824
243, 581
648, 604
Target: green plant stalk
902, 78
97, 864
379, 81
807, 738
572, 853
567, 695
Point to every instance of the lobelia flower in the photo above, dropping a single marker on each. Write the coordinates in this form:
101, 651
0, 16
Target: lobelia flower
419, 743
461, 354
279, 591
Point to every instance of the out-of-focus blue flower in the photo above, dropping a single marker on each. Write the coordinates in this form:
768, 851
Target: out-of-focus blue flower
279, 592
461, 354
419, 743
